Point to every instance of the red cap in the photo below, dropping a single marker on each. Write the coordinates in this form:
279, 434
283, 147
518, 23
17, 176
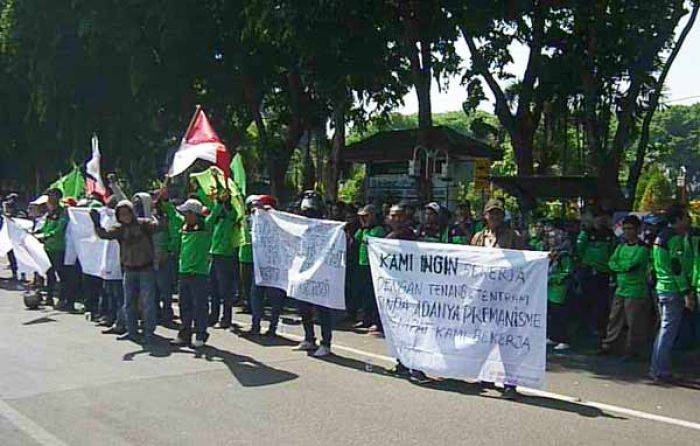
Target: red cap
267, 200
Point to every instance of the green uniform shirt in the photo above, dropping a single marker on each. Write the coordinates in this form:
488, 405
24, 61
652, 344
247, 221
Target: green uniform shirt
595, 250
224, 238
672, 259
194, 243
557, 279
174, 238
631, 265
361, 238
54, 231
695, 246
536, 244
245, 253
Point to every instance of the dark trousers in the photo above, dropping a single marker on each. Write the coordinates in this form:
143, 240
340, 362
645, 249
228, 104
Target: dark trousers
307, 319
275, 298
630, 317
369, 302
13, 263
246, 283
164, 290
557, 320
194, 291
66, 292
597, 299
92, 289
112, 303
223, 283
352, 291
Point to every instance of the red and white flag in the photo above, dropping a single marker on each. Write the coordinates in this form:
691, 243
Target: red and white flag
200, 142
93, 175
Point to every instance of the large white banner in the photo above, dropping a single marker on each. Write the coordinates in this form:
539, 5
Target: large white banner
303, 256
97, 257
29, 252
463, 312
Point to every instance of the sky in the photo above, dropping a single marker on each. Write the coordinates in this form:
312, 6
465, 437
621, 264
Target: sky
682, 85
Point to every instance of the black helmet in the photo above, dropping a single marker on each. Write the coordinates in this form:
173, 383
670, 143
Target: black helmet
32, 300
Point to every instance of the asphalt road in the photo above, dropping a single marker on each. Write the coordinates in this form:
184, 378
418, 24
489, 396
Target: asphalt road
63, 382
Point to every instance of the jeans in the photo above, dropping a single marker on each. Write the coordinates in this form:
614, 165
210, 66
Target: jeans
194, 293
164, 291
139, 287
223, 287
112, 303
670, 310
307, 319
257, 297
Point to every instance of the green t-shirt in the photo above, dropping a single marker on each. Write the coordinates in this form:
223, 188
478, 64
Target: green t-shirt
54, 231
245, 252
194, 243
630, 262
225, 237
361, 238
557, 279
672, 259
595, 250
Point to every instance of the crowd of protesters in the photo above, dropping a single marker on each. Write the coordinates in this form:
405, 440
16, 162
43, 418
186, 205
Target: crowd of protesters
632, 295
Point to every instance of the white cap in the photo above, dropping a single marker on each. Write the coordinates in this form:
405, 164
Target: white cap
433, 206
191, 205
42, 199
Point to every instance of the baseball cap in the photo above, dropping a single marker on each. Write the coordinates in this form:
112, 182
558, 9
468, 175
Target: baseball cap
494, 204
367, 210
190, 205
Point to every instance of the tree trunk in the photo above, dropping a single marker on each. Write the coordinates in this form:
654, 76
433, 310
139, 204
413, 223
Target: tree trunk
336, 157
636, 169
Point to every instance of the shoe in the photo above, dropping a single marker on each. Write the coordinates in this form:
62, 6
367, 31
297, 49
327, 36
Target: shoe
180, 341
663, 380
550, 342
224, 325
254, 331
322, 351
305, 346
562, 346
418, 377
128, 337
150, 339
270, 333
400, 370
115, 331
375, 330
198, 343
361, 326
510, 393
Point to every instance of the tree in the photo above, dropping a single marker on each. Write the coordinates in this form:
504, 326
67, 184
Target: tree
658, 194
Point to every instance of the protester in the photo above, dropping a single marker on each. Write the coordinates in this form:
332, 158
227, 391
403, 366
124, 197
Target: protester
352, 271
245, 258
225, 241
53, 235
497, 235
594, 246
194, 268
462, 229
369, 227
112, 302
163, 268
672, 260
137, 257
310, 209
258, 293
432, 229
561, 266
630, 311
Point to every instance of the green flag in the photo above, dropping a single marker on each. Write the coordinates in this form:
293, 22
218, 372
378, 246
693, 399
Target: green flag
71, 185
238, 173
208, 187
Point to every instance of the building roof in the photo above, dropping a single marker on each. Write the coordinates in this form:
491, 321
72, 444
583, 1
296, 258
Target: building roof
548, 187
398, 145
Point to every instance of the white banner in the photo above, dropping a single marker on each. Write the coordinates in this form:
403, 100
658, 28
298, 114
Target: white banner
303, 256
97, 257
29, 252
463, 312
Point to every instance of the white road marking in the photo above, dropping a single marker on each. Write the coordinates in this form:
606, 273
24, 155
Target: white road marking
533, 392
29, 427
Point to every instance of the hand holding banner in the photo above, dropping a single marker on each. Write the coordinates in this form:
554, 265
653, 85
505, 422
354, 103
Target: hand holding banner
463, 312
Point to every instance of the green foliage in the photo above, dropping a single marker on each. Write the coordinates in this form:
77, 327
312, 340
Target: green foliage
350, 190
658, 194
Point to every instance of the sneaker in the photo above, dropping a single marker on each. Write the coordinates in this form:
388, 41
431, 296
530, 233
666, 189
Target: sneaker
178, 341
115, 331
270, 333
361, 326
322, 351
400, 370
418, 377
254, 331
375, 330
562, 346
550, 342
198, 343
510, 393
305, 346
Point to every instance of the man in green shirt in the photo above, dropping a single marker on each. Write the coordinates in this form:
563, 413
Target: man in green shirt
561, 266
594, 246
369, 227
53, 235
631, 307
225, 240
193, 268
672, 261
